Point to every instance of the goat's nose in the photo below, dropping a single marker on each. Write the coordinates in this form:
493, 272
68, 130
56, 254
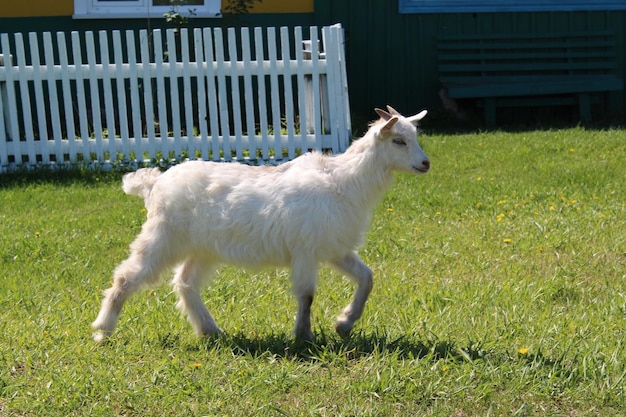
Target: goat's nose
426, 163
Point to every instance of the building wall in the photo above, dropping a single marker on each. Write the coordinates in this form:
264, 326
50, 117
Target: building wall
391, 57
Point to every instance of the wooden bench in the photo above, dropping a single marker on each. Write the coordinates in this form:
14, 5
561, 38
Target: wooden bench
529, 69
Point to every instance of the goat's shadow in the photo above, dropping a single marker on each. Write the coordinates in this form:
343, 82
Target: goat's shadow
355, 346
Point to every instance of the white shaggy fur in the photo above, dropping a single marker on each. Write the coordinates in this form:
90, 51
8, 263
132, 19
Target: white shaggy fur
313, 209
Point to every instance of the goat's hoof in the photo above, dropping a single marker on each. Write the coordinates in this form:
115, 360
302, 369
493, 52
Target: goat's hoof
343, 327
100, 336
213, 333
304, 336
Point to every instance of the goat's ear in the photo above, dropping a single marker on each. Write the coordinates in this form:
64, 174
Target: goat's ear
393, 111
419, 116
389, 124
383, 114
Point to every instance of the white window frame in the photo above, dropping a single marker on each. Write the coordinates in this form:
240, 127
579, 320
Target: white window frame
133, 9
475, 6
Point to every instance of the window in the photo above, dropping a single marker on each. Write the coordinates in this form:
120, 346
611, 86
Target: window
469, 6
116, 9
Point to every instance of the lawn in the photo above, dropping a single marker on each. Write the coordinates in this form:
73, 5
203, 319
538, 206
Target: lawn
499, 290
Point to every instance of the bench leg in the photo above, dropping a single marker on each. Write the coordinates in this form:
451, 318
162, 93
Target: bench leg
490, 111
584, 107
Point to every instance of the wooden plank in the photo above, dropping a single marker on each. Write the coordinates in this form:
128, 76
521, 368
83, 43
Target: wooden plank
288, 93
146, 80
300, 94
201, 96
94, 92
161, 145
222, 91
53, 101
235, 96
525, 67
527, 35
274, 94
107, 79
24, 88
171, 74
66, 88
40, 102
135, 100
80, 95
262, 96
249, 93
187, 99
120, 102
212, 94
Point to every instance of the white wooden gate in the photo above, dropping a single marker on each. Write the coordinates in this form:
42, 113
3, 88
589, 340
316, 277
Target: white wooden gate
131, 98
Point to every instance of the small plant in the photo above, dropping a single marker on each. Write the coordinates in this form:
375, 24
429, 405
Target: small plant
175, 17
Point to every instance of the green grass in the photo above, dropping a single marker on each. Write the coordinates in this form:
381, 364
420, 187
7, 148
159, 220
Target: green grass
500, 290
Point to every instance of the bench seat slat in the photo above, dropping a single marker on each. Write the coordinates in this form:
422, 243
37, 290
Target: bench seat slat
534, 68
477, 87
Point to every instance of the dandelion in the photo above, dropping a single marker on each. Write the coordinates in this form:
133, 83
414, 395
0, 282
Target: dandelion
507, 240
501, 202
500, 216
37, 234
197, 365
523, 351
390, 210
479, 179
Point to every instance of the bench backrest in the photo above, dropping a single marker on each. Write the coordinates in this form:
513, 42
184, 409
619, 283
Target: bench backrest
531, 54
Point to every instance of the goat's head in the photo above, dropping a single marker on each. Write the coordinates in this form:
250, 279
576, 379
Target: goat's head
398, 136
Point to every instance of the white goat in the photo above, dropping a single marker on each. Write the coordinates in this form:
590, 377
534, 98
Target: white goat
313, 209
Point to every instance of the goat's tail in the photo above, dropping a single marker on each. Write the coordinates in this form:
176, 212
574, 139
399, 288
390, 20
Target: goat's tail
140, 182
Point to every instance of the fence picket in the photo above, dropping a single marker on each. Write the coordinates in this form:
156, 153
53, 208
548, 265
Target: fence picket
187, 97
249, 93
204, 93
30, 151
122, 113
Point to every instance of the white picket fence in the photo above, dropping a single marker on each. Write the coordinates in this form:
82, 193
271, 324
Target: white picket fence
261, 95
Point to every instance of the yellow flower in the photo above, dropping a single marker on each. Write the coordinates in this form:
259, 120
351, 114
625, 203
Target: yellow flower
197, 365
523, 351
507, 240
390, 210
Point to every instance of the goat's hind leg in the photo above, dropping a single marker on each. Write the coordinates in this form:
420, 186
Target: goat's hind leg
190, 277
354, 267
150, 255
304, 283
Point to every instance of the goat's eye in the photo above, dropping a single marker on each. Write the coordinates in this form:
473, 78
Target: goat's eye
399, 141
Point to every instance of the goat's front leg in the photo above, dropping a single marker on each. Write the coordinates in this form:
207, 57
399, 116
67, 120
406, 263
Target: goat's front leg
354, 267
304, 283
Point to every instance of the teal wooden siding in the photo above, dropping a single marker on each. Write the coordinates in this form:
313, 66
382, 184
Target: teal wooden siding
391, 57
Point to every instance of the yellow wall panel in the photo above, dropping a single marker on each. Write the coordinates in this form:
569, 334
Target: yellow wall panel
283, 6
32, 8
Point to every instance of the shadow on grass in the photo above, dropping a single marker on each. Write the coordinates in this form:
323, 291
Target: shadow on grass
84, 176
358, 345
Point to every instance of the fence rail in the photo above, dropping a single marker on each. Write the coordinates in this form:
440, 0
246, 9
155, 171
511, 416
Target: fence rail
261, 95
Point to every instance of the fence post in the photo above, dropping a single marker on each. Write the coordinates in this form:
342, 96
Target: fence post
5, 100
307, 47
